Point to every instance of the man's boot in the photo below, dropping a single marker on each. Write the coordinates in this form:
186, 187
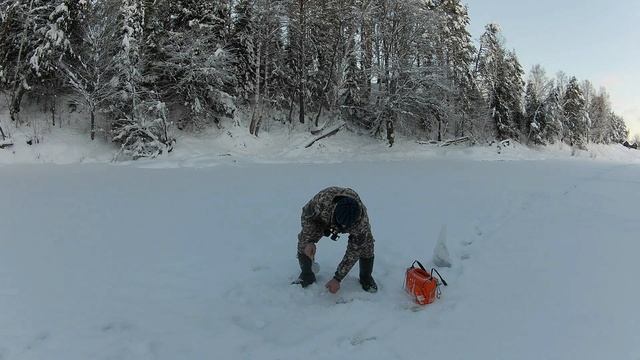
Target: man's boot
307, 277
366, 280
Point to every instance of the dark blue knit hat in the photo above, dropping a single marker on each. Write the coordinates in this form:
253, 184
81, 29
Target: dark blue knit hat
346, 213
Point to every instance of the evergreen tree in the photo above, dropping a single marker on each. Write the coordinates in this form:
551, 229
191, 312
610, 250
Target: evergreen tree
534, 114
555, 129
127, 76
457, 54
243, 49
501, 77
539, 99
515, 84
618, 131
352, 92
194, 70
157, 20
139, 116
576, 118
33, 39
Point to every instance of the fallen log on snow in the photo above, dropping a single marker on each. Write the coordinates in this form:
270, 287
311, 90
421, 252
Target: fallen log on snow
459, 140
319, 129
427, 142
6, 143
326, 133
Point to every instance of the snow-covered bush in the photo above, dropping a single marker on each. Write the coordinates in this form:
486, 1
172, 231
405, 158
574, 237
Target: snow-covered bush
146, 136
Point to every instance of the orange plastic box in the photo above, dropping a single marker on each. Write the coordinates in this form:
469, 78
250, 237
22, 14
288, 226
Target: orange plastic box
421, 284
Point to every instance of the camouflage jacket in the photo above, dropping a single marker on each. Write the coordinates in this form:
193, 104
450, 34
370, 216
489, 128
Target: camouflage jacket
317, 221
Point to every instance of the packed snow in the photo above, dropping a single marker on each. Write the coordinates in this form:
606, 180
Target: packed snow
190, 256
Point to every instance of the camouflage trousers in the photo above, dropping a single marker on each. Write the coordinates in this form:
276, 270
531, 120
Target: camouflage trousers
356, 249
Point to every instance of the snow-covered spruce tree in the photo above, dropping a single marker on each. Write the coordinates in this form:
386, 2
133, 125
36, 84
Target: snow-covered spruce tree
554, 117
457, 53
156, 25
516, 84
500, 102
500, 76
576, 117
243, 49
33, 39
196, 70
618, 131
127, 77
221, 24
134, 111
534, 116
181, 14
63, 34
16, 40
352, 93
537, 103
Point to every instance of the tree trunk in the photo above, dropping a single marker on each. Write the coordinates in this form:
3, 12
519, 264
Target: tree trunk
265, 95
367, 56
256, 99
301, 62
328, 132
53, 111
93, 124
16, 101
290, 116
390, 133
334, 56
258, 122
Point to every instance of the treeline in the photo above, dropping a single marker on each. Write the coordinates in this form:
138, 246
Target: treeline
386, 66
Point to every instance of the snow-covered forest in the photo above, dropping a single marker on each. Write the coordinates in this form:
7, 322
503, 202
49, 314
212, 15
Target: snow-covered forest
146, 69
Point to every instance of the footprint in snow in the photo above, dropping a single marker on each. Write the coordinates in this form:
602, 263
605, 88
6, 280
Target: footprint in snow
116, 327
248, 324
37, 341
257, 268
478, 230
357, 340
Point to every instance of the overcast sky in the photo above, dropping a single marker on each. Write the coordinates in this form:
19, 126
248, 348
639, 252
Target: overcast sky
589, 39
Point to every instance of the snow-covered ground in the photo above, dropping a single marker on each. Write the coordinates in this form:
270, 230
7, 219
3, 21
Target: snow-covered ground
71, 145
190, 257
